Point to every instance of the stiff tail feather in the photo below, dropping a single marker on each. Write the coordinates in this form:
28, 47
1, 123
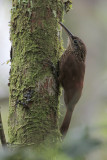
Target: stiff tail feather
66, 122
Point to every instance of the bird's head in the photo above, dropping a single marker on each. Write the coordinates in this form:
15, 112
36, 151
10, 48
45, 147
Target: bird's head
76, 45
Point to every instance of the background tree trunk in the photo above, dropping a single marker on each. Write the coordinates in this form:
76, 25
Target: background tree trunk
33, 101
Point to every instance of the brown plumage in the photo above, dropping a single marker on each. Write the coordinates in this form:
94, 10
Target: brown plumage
71, 75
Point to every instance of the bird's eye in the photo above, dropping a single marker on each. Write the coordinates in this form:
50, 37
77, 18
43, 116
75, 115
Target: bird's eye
75, 41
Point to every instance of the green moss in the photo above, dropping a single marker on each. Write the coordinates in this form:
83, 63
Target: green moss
67, 5
33, 101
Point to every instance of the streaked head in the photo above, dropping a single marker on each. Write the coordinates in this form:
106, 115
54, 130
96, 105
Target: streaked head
76, 45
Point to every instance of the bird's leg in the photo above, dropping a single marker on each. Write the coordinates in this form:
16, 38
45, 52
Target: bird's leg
54, 69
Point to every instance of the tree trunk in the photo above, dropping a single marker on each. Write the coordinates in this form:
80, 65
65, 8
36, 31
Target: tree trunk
33, 101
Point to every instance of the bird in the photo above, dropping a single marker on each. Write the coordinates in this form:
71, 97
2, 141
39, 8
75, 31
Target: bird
71, 75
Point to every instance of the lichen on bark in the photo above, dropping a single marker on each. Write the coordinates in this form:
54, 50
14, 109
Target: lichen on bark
33, 100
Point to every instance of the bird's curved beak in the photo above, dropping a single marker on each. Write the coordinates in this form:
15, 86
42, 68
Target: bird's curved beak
67, 31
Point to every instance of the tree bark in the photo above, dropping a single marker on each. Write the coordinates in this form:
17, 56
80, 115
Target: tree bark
2, 135
33, 100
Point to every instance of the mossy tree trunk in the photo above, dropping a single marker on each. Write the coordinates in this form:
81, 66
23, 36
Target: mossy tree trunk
33, 101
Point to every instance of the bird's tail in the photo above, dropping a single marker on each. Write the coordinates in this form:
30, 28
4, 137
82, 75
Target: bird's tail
66, 122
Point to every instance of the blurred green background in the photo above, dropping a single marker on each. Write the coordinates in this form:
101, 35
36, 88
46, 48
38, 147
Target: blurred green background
87, 20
